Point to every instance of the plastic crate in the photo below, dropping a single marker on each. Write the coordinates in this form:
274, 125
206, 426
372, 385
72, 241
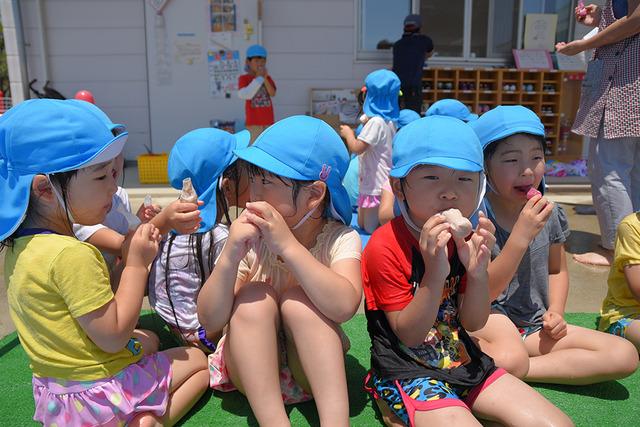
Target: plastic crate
152, 168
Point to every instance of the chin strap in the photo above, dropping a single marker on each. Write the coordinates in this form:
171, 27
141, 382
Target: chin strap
304, 219
60, 200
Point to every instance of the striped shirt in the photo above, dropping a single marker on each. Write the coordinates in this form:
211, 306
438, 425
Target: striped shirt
614, 103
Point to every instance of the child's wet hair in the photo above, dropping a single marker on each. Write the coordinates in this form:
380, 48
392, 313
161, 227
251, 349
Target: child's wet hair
492, 147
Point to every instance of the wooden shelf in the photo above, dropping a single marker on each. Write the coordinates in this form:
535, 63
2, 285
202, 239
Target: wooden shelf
562, 100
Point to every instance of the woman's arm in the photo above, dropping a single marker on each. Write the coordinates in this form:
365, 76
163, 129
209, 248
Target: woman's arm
621, 29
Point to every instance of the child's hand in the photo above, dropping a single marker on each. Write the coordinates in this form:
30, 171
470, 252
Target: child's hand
346, 132
243, 235
147, 213
475, 252
554, 325
181, 216
433, 245
272, 226
532, 218
142, 246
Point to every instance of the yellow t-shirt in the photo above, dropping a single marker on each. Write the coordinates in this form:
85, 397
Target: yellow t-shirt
51, 281
619, 301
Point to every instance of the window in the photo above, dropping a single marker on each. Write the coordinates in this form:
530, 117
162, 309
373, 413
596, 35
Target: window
462, 30
380, 25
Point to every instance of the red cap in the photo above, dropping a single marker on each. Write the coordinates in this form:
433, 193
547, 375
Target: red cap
84, 95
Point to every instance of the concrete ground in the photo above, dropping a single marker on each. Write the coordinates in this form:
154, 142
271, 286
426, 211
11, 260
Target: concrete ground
588, 284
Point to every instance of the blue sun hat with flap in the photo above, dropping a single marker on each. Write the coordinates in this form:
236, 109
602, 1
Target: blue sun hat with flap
407, 116
203, 155
46, 136
440, 141
383, 88
504, 121
308, 149
451, 108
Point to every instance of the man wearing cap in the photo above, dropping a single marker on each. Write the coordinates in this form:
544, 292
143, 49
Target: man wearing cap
257, 88
409, 54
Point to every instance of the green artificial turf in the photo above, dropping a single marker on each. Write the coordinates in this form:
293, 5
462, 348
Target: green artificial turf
615, 403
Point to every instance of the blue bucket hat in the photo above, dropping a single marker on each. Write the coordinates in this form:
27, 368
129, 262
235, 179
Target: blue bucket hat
406, 116
45, 136
504, 121
305, 148
436, 140
256, 50
451, 108
383, 88
203, 155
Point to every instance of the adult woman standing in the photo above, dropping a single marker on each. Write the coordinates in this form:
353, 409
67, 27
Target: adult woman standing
609, 114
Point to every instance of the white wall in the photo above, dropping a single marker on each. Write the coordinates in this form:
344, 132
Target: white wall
95, 45
311, 45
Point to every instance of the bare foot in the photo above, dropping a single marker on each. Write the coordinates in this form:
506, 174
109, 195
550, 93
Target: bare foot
593, 258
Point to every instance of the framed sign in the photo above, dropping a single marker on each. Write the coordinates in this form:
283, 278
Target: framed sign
533, 59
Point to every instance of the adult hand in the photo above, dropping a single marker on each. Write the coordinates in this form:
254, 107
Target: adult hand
571, 48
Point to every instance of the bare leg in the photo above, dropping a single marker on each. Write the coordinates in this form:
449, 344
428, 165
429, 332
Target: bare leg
501, 340
390, 419
369, 218
319, 352
190, 381
511, 402
447, 416
385, 211
251, 352
583, 356
603, 258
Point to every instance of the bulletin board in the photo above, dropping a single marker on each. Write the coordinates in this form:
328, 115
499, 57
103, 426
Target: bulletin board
335, 106
195, 54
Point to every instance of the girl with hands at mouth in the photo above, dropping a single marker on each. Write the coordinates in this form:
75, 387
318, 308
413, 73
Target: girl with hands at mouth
526, 333
426, 286
287, 277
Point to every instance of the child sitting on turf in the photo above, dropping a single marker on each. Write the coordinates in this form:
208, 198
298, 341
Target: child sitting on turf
425, 283
88, 366
528, 279
373, 144
620, 312
287, 277
185, 261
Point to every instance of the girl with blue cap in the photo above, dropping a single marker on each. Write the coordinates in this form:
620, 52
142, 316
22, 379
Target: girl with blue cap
288, 276
185, 261
426, 285
528, 278
89, 368
373, 143
257, 88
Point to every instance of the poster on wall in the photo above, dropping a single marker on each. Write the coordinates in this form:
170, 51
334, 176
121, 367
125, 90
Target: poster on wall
532, 59
222, 15
224, 70
188, 50
540, 31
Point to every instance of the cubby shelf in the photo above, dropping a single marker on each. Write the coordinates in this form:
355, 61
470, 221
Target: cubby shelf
550, 94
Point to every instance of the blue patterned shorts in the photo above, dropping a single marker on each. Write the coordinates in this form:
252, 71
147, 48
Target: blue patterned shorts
619, 328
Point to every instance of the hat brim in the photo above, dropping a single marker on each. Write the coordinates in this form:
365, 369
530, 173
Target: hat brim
16, 189
470, 117
256, 156
446, 162
512, 131
340, 206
